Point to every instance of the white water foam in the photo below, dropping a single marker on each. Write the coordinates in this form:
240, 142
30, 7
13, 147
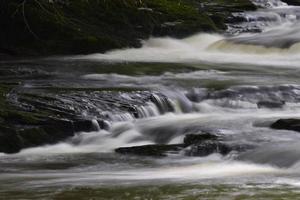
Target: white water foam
203, 48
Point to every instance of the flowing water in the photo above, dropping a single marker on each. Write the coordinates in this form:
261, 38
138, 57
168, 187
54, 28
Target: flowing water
205, 82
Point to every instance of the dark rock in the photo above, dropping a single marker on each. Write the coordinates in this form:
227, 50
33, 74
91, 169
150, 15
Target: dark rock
162, 103
270, 104
103, 124
34, 136
198, 145
208, 147
191, 139
287, 124
59, 129
84, 126
292, 2
10, 142
150, 150
50, 131
197, 94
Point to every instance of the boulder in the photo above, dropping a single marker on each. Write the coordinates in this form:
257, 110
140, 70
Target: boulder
287, 124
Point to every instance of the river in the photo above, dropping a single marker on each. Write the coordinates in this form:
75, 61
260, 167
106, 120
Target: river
210, 83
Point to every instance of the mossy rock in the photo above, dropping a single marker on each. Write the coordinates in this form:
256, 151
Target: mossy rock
10, 142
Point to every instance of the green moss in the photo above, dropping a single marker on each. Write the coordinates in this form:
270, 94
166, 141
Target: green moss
143, 68
11, 115
159, 191
33, 136
79, 67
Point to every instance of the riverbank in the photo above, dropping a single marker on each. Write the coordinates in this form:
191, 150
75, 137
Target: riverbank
38, 28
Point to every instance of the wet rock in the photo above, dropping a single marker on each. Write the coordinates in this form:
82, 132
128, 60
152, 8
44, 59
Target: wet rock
162, 103
59, 129
287, 124
191, 139
151, 150
10, 142
34, 136
84, 126
197, 94
50, 131
270, 104
206, 148
103, 124
292, 2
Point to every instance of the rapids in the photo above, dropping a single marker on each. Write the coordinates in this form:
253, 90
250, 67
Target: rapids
232, 74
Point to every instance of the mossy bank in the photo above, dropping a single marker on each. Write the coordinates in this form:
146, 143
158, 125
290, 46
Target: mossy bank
48, 27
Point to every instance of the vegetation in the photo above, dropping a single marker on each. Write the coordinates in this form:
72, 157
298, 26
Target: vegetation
46, 27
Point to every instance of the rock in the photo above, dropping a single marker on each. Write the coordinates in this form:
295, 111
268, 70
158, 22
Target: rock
151, 150
84, 126
191, 139
34, 136
197, 94
292, 2
194, 145
59, 129
10, 142
50, 131
287, 124
206, 148
103, 124
270, 104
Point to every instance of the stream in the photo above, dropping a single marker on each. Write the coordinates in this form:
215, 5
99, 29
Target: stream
204, 83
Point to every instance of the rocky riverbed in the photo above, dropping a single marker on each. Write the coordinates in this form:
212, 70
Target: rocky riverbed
209, 116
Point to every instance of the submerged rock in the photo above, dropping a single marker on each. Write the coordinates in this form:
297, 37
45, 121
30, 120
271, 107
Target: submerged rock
204, 144
151, 150
287, 124
191, 139
270, 104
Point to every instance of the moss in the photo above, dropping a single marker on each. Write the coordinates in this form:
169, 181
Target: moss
12, 115
33, 136
4, 90
188, 191
132, 68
